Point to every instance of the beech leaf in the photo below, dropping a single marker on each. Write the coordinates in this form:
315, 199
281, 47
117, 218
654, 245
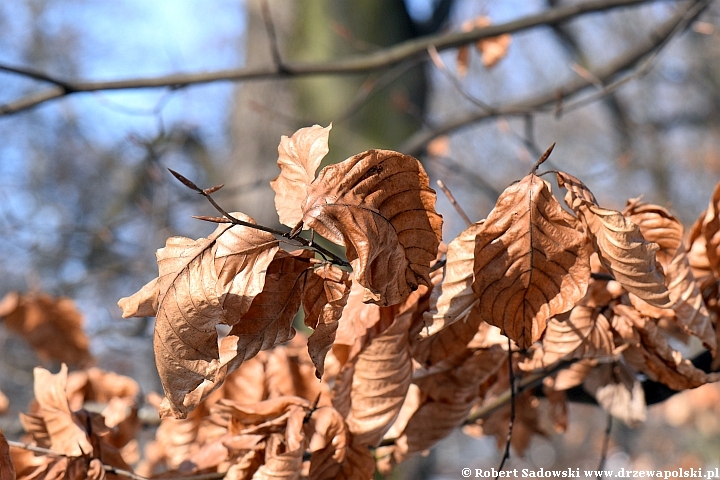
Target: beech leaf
201, 284
619, 243
531, 263
689, 310
380, 206
581, 333
328, 443
324, 298
52, 326
54, 426
7, 469
618, 392
298, 158
454, 299
372, 388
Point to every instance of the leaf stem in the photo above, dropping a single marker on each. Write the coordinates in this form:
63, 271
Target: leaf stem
302, 241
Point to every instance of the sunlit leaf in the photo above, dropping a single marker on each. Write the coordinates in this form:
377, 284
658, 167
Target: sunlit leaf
379, 205
531, 262
298, 158
619, 243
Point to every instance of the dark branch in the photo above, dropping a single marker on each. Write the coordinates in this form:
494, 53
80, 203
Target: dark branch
549, 100
380, 59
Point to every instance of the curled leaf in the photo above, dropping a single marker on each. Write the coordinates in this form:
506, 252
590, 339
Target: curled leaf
531, 263
453, 299
52, 326
688, 309
380, 206
619, 243
324, 298
201, 284
298, 158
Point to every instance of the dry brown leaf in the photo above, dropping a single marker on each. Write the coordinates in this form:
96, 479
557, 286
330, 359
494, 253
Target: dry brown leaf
492, 49
7, 469
284, 453
711, 231
379, 205
574, 375
324, 298
652, 355
120, 394
618, 392
268, 321
525, 425
448, 396
52, 326
359, 463
328, 443
4, 403
557, 405
201, 284
531, 263
581, 333
689, 311
371, 389
298, 158
619, 243
454, 299
54, 426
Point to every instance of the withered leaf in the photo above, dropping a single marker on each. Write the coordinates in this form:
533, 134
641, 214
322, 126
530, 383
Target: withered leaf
531, 263
448, 395
581, 333
284, 453
54, 426
298, 158
711, 231
324, 298
7, 469
359, 463
618, 392
689, 311
327, 443
454, 299
201, 284
268, 321
619, 243
652, 355
380, 206
52, 326
376, 383
4, 403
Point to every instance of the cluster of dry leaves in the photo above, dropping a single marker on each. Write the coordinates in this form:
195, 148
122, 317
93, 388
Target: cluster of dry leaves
418, 340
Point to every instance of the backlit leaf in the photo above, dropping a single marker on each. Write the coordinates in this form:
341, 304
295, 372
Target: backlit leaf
619, 243
379, 205
298, 158
531, 263
324, 298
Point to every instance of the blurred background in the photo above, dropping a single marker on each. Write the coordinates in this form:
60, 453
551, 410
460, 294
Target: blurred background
85, 197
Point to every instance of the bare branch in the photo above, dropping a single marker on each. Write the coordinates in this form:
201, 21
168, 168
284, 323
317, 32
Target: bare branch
380, 59
451, 199
549, 100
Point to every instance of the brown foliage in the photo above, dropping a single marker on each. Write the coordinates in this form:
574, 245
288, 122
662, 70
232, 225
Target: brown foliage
408, 346
52, 326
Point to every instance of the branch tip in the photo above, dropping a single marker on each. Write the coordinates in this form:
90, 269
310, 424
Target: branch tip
544, 157
185, 181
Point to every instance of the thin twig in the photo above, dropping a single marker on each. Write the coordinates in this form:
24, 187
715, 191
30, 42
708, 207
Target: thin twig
377, 60
457, 83
542, 158
454, 203
645, 66
547, 101
33, 448
511, 377
605, 445
235, 221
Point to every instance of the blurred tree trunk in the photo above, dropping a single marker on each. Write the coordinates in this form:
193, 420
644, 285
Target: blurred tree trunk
316, 30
